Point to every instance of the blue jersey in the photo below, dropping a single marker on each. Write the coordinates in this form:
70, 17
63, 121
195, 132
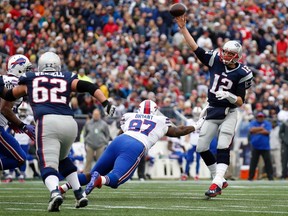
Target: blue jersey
235, 80
49, 92
257, 140
1, 84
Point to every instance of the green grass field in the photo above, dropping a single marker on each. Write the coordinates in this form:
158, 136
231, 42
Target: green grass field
150, 198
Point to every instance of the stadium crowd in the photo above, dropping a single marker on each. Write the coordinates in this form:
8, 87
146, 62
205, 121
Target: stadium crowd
133, 49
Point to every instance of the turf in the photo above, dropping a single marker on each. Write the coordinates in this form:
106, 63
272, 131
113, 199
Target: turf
161, 198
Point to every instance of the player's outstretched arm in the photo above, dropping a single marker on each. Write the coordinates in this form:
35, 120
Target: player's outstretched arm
181, 21
6, 110
179, 130
176, 131
15, 93
84, 86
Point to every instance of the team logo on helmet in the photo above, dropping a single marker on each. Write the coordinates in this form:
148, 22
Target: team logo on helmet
20, 61
148, 107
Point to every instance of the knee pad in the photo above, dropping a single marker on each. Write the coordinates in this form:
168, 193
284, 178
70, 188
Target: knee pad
208, 157
223, 156
66, 167
47, 171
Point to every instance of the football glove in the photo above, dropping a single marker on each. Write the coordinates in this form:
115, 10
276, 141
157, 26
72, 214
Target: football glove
29, 130
226, 95
109, 109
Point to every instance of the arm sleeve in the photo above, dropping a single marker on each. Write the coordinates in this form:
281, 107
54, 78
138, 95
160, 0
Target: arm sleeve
84, 86
203, 56
9, 96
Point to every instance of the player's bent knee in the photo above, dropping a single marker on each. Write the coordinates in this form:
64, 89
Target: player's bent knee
113, 180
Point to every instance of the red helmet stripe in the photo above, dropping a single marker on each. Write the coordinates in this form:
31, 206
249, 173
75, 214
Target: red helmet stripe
147, 107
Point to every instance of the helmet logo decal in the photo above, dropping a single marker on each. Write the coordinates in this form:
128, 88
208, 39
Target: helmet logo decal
147, 107
237, 45
20, 61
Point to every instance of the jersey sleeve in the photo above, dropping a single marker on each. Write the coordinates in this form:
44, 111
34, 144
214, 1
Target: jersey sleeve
23, 79
244, 83
1, 84
168, 122
71, 76
206, 57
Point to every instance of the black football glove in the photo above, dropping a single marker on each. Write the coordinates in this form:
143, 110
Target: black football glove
109, 108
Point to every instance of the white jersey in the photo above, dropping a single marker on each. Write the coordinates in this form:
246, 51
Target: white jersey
10, 82
148, 129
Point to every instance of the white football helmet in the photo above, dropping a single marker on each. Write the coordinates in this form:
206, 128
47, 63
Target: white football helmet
231, 52
23, 109
49, 61
196, 112
148, 107
18, 65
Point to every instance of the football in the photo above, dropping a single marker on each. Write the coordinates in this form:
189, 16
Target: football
178, 9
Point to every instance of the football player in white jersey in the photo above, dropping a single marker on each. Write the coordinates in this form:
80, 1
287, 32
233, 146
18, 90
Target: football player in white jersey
229, 80
139, 132
25, 141
12, 155
193, 139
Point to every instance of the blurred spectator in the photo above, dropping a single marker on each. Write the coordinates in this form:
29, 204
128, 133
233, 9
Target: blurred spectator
96, 138
75, 106
168, 110
275, 146
88, 105
283, 114
188, 81
259, 140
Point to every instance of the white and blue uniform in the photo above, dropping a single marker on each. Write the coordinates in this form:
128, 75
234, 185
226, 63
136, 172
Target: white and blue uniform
122, 156
177, 150
11, 154
191, 152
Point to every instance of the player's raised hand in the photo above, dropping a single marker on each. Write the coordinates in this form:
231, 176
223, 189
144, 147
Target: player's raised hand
110, 109
181, 21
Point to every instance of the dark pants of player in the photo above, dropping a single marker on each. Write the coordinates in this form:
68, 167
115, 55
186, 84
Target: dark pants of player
190, 158
12, 155
267, 161
141, 168
120, 160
